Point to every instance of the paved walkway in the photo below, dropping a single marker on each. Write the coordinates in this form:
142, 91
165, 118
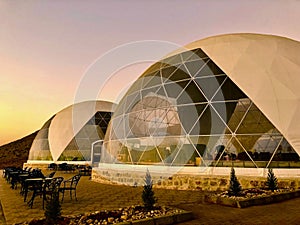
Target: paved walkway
94, 197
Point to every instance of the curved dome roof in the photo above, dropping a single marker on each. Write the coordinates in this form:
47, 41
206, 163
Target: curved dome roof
244, 72
58, 133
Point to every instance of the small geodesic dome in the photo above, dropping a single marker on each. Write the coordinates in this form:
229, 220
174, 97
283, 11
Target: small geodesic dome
230, 97
69, 134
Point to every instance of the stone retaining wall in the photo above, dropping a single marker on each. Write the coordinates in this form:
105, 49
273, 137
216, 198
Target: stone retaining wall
186, 181
36, 165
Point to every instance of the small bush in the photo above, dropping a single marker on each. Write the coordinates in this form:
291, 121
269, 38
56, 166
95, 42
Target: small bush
234, 186
148, 194
53, 209
272, 181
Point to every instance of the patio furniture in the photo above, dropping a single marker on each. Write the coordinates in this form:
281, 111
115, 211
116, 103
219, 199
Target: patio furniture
70, 185
41, 187
52, 166
51, 175
85, 170
36, 186
51, 187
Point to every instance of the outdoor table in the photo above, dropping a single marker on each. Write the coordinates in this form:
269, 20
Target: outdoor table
22, 178
34, 182
13, 178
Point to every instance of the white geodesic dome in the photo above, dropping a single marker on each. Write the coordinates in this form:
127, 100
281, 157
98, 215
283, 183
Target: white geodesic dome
232, 95
69, 134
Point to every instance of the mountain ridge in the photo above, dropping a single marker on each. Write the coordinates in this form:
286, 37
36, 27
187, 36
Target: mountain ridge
16, 152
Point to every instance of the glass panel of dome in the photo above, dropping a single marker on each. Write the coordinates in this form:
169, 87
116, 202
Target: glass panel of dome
189, 115
147, 93
225, 151
243, 158
226, 110
199, 128
195, 66
117, 127
209, 123
173, 60
214, 69
191, 94
122, 108
209, 85
72, 145
161, 91
150, 156
254, 122
199, 53
216, 145
44, 144
154, 81
247, 142
229, 91
179, 74
240, 109
83, 143
186, 155
95, 132
89, 130
217, 125
183, 68
101, 117
123, 155
131, 100
185, 56
103, 124
82, 133
264, 149
205, 70
285, 153
166, 72
196, 139
174, 89
69, 155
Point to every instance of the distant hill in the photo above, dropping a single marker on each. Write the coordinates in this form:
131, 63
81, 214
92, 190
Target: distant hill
16, 152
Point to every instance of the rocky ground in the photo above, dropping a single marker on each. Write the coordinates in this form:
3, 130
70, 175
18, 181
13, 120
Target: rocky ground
253, 193
110, 217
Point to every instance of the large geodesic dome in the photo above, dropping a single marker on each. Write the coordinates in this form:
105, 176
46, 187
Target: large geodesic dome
225, 98
70, 134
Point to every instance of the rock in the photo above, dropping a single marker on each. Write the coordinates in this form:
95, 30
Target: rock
89, 221
124, 217
110, 219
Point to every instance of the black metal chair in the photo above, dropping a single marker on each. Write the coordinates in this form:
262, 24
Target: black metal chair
70, 185
37, 187
52, 166
51, 175
51, 187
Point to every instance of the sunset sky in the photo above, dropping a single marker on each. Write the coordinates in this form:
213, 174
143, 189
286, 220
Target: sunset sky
47, 47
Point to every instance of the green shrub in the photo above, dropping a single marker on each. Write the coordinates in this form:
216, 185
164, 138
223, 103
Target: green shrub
148, 194
234, 186
271, 180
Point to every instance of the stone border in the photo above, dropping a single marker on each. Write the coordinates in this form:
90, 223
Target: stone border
159, 220
162, 220
251, 202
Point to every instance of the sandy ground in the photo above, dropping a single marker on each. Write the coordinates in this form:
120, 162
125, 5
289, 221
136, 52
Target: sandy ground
94, 196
